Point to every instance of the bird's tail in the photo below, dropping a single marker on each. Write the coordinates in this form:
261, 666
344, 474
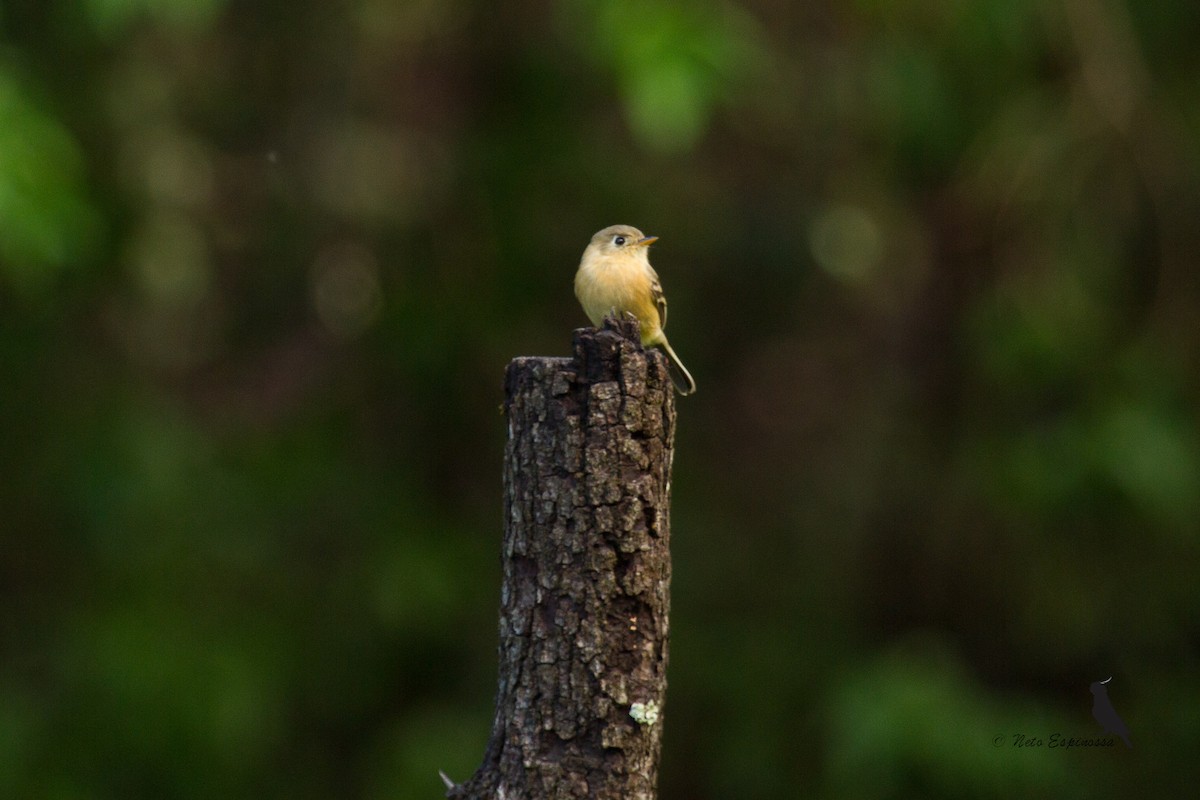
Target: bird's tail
682, 379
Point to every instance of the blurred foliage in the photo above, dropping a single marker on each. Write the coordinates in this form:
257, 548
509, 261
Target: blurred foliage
46, 220
933, 265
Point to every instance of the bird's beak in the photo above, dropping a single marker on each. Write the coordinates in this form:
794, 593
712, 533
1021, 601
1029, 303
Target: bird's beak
646, 241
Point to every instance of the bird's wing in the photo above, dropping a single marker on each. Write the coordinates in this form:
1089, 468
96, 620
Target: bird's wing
660, 299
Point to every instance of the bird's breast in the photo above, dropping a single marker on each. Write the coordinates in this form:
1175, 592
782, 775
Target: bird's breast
604, 285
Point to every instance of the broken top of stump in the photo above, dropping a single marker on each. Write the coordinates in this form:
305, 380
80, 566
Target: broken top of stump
612, 352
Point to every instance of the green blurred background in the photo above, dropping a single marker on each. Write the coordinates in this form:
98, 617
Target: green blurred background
933, 264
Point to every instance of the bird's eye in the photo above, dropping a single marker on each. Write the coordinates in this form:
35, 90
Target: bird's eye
618, 240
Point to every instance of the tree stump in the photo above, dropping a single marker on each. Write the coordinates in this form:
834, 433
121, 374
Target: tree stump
584, 600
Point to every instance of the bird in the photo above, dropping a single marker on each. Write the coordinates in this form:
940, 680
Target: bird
1105, 714
615, 277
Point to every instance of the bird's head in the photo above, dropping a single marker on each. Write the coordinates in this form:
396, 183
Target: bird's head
620, 241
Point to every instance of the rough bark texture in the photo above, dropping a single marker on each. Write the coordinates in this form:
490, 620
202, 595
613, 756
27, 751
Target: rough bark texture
586, 574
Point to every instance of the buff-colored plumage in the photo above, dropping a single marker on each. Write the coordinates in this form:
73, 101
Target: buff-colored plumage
615, 276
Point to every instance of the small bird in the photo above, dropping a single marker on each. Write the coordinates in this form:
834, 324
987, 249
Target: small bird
615, 277
1105, 714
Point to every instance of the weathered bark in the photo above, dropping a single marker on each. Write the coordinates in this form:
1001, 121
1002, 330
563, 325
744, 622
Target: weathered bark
586, 574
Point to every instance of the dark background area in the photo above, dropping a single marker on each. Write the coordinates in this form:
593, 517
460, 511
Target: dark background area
933, 265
